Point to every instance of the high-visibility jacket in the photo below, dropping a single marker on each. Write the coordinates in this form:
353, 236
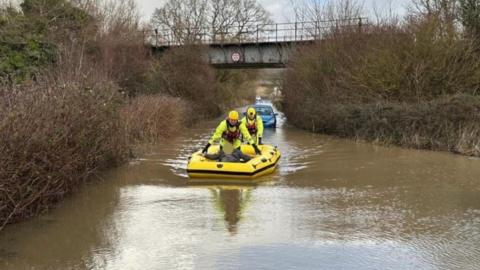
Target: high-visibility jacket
255, 127
225, 134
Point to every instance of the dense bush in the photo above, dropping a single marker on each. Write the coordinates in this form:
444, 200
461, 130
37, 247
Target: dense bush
154, 117
53, 136
235, 87
125, 59
182, 72
449, 124
406, 84
408, 63
22, 51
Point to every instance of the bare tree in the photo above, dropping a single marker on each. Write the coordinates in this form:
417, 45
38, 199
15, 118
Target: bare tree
434, 7
444, 12
386, 15
113, 16
223, 17
331, 10
320, 17
190, 21
469, 13
185, 18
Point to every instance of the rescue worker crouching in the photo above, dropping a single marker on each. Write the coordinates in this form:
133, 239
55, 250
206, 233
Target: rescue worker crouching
254, 124
228, 133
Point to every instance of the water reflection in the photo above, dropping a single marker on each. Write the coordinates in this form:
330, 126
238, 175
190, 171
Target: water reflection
66, 237
332, 204
230, 202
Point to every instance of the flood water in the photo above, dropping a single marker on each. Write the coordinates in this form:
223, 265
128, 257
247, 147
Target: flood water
331, 204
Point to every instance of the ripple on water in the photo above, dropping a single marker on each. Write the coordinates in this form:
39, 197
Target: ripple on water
297, 158
177, 166
452, 242
294, 158
332, 255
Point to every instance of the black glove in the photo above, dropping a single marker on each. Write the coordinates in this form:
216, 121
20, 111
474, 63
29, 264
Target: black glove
205, 149
260, 141
257, 151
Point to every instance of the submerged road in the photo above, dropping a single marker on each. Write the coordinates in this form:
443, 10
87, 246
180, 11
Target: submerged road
331, 204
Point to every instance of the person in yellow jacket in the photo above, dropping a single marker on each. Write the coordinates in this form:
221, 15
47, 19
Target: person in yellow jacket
228, 135
254, 124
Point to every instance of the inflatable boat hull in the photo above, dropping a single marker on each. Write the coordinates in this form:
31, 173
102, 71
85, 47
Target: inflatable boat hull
266, 163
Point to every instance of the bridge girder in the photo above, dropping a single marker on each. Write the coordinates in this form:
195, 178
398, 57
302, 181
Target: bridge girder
247, 55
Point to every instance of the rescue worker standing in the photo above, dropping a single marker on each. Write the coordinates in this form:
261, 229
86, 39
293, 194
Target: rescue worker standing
254, 124
228, 133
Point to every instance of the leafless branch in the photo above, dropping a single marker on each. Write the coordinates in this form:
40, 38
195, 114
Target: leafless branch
195, 20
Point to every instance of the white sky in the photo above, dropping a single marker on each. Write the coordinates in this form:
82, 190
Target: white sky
281, 10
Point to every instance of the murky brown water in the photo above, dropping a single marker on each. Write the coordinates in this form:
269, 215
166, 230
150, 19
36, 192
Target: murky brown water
332, 204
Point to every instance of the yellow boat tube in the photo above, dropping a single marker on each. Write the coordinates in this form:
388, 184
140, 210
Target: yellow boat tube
201, 167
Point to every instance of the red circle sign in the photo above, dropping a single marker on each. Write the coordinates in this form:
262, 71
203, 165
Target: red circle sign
236, 57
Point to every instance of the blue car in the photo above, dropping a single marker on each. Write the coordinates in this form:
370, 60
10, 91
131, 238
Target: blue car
268, 115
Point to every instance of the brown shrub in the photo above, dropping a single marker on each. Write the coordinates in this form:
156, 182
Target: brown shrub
53, 136
154, 117
408, 63
402, 84
125, 59
449, 124
182, 72
235, 88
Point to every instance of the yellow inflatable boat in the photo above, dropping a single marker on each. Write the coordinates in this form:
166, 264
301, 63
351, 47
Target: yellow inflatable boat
201, 167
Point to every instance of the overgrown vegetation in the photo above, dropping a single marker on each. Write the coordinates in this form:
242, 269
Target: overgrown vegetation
414, 83
181, 72
155, 117
78, 87
22, 49
53, 136
234, 87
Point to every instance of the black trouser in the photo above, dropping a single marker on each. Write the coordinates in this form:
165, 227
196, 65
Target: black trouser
235, 156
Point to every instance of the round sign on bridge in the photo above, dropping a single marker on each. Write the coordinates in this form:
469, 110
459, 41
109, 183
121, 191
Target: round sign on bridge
236, 57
